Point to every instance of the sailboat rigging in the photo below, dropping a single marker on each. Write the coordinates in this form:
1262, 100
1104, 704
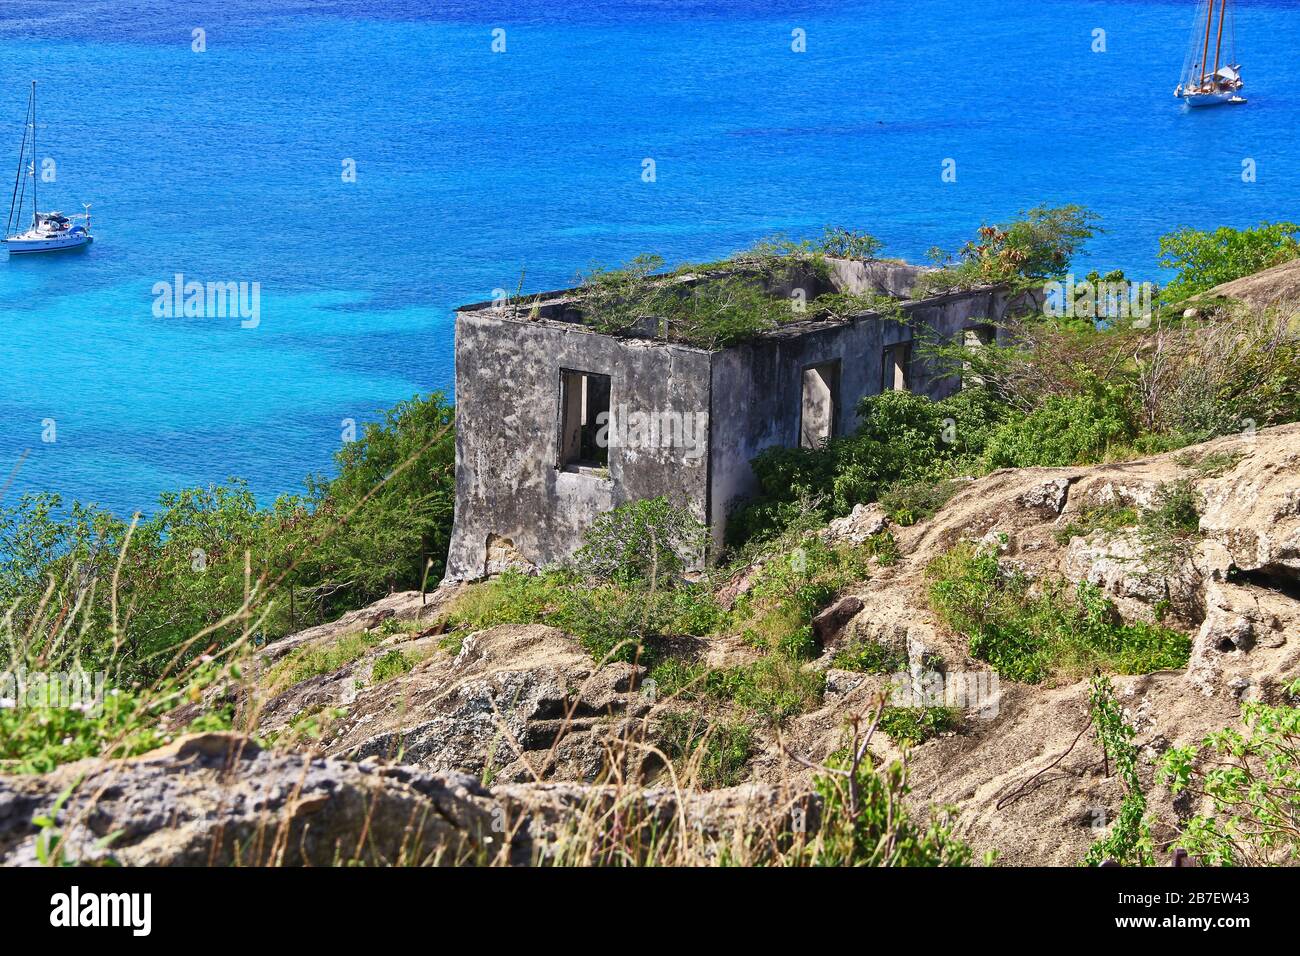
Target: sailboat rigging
1206, 81
49, 231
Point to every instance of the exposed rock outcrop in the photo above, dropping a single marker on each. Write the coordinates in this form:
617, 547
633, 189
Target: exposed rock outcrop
218, 799
1234, 590
521, 702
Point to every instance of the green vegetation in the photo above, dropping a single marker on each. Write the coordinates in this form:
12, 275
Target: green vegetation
866, 820
211, 568
1212, 464
709, 753
309, 662
165, 604
36, 737
1169, 528
390, 665
1207, 259
1129, 841
1248, 781
870, 657
623, 594
1055, 392
1036, 246
1032, 633
1107, 518
697, 305
908, 726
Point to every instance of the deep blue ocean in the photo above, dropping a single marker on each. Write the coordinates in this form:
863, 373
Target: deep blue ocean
476, 168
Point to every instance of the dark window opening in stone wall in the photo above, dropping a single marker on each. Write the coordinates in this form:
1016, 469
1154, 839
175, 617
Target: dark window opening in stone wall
975, 337
896, 370
821, 398
584, 414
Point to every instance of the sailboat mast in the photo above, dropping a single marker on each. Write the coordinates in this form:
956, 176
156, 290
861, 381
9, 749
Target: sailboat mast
34, 206
1218, 46
1205, 52
18, 174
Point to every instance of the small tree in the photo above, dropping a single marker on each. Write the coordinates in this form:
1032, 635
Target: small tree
1206, 259
642, 541
1248, 783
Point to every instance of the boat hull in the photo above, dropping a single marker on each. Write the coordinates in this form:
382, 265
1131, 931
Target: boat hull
19, 246
1212, 99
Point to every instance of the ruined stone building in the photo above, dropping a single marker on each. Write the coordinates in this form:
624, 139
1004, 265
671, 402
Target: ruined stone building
557, 422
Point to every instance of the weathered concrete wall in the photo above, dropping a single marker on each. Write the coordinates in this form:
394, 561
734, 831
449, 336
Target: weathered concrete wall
508, 483
757, 388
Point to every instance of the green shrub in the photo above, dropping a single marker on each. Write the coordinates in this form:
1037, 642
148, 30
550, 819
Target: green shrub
313, 661
210, 567
1036, 246
712, 753
1030, 634
1207, 259
908, 726
1247, 784
1064, 430
1107, 518
650, 540
905, 441
774, 688
36, 739
512, 598
866, 822
390, 665
870, 657
908, 502
1129, 841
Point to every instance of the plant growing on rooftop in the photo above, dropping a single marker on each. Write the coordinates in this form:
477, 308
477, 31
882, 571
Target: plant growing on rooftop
1036, 246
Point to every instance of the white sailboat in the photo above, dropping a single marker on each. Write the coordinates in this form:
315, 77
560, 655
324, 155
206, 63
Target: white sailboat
49, 231
1206, 81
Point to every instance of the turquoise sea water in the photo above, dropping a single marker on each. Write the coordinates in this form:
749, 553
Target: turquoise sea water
474, 168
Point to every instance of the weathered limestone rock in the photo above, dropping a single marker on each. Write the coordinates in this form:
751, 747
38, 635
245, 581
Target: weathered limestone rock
1048, 497
218, 800
828, 624
1121, 567
524, 700
858, 525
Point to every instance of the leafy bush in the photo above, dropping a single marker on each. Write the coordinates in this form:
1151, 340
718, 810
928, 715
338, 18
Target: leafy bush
622, 594
390, 665
870, 657
650, 540
866, 822
210, 568
1064, 430
1029, 634
1037, 245
1129, 841
908, 726
709, 753
904, 440
309, 662
1207, 259
1248, 782
908, 502
790, 589
36, 739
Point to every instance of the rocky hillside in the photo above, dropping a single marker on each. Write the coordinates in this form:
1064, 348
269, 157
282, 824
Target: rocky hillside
396, 741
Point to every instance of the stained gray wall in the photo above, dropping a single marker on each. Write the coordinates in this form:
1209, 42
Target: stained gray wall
757, 388
507, 435
509, 485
